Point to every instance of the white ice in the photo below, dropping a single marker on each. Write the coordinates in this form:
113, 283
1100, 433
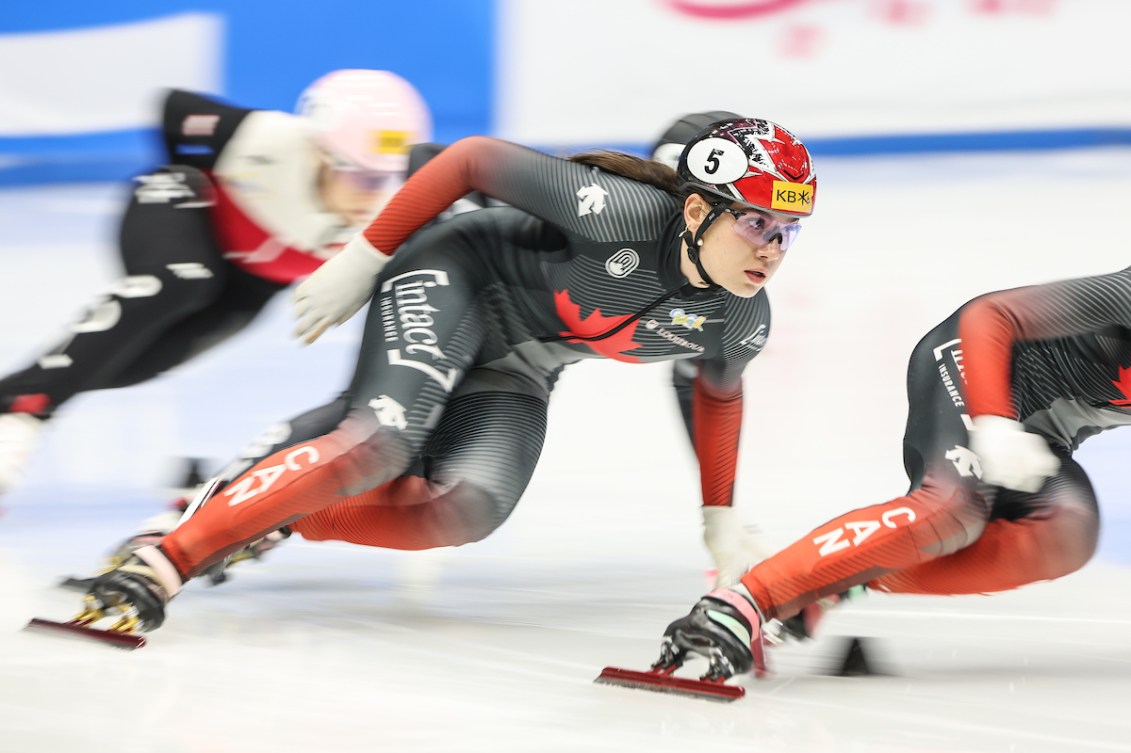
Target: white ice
493, 646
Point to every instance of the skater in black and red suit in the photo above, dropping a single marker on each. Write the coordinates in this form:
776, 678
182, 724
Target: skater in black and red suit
1000, 394
602, 255
732, 545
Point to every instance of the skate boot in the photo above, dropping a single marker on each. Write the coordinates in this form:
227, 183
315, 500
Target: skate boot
19, 433
725, 628
138, 590
133, 595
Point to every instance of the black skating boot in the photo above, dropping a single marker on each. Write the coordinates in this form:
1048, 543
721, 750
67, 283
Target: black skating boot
138, 589
725, 628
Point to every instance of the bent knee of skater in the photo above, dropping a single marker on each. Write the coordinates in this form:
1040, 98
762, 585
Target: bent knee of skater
1076, 543
1074, 559
479, 511
1057, 559
955, 517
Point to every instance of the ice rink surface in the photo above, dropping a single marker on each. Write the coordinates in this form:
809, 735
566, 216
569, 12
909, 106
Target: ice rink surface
493, 646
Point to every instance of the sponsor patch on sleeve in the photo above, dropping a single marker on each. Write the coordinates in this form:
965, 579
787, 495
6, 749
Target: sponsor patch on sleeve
792, 197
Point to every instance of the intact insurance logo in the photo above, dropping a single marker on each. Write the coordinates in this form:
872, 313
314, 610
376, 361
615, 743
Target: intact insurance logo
731, 9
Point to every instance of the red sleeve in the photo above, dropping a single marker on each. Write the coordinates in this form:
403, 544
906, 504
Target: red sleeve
430, 190
988, 332
992, 325
717, 421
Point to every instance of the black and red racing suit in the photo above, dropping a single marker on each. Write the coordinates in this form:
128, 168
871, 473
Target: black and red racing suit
205, 242
471, 321
1057, 358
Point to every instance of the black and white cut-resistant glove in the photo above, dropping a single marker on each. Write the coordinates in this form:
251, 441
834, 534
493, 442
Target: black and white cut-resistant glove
1010, 456
337, 289
734, 547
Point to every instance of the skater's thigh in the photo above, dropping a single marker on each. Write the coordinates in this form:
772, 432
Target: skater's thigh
465, 484
169, 234
240, 301
490, 436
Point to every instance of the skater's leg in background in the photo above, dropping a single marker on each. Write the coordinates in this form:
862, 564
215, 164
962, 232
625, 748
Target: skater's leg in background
173, 269
243, 298
176, 296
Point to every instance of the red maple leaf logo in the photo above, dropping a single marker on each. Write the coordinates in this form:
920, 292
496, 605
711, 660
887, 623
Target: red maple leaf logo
614, 346
1123, 384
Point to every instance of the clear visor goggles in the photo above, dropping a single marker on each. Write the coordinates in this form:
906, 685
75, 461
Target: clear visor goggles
370, 181
759, 228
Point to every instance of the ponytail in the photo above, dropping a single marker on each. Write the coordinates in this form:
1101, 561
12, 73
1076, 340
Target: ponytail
642, 170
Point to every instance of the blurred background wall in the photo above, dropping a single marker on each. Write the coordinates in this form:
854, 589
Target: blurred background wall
78, 92
81, 81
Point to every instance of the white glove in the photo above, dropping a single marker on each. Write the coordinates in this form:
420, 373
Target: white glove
734, 548
337, 289
1009, 455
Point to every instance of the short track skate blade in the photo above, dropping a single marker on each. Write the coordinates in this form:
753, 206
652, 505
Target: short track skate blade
659, 682
128, 641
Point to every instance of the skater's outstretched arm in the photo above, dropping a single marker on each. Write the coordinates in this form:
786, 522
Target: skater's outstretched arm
564, 194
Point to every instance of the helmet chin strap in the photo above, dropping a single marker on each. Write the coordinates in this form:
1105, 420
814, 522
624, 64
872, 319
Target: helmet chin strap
695, 242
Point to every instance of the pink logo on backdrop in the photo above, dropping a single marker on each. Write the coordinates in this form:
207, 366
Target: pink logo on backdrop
899, 11
720, 9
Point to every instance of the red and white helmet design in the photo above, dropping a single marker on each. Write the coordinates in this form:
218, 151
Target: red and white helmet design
752, 161
366, 119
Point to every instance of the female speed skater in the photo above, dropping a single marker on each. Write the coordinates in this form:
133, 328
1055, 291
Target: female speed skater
249, 202
1000, 396
602, 255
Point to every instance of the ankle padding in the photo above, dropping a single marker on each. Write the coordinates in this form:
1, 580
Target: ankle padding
744, 606
167, 576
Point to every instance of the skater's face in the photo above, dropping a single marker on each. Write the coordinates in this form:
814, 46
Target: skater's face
742, 248
356, 195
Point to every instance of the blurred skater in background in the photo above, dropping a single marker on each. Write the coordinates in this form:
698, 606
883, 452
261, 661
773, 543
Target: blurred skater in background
249, 202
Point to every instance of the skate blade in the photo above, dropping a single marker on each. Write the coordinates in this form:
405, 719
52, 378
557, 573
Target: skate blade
73, 629
659, 682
